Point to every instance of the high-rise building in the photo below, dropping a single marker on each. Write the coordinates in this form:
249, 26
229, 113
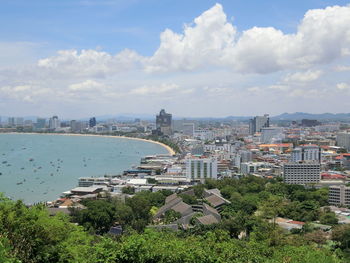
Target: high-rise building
92, 122
306, 153
188, 129
343, 140
271, 134
339, 195
54, 123
259, 122
40, 123
201, 169
19, 121
11, 121
163, 123
309, 123
302, 173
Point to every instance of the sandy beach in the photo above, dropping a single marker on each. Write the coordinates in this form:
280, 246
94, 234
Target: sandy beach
168, 148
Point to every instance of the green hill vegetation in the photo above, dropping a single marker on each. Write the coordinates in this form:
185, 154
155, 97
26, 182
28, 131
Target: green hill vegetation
30, 234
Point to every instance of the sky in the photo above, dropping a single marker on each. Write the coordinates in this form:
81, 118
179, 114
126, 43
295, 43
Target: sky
198, 58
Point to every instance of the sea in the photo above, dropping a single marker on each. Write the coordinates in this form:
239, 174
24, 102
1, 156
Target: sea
39, 167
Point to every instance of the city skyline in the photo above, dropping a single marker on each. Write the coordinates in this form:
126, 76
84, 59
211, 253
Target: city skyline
205, 59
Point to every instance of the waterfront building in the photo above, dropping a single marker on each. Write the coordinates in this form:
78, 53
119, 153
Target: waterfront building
19, 122
201, 169
54, 123
339, 195
302, 173
163, 123
92, 122
11, 121
40, 123
258, 122
306, 153
343, 140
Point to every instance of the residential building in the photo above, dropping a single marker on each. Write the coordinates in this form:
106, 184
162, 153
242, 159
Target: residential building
188, 129
306, 153
92, 122
259, 122
339, 195
271, 134
343, 140
54, 123
163, 123
200, 169
11, 121
302, 173
40, 123
19, 122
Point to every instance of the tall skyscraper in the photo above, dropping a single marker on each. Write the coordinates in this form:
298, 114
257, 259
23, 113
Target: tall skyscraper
163, 123
54, 123
259, 122
11, 121
19, 121
92, 122
40, 123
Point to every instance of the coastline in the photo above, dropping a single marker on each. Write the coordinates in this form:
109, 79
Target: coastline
168, 148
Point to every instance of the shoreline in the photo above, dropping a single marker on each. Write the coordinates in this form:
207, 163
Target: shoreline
168, 148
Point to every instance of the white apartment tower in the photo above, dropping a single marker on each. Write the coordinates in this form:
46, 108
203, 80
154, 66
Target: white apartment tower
54, 123
201, 169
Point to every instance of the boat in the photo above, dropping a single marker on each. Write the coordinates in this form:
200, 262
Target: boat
31, 159
19, 183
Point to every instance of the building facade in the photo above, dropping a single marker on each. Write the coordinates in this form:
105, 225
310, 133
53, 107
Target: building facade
258, 122
339, 195
201, 169
306, 153
163, 123
302, 173
54, 123
343, 140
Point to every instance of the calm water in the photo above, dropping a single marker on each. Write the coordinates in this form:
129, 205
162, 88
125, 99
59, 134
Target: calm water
40, 167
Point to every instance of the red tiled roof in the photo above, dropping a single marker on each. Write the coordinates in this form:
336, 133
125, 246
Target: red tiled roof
296, 222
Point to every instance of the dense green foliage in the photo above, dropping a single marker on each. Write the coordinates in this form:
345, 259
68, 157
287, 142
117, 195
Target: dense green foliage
31, 235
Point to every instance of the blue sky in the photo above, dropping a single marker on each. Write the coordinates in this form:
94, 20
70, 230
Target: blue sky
214, 61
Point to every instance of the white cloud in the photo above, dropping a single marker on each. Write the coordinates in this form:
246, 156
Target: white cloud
342, 68
200, 44
322, 36
88, 85
89, 63
343, 86
306, 76
155, 89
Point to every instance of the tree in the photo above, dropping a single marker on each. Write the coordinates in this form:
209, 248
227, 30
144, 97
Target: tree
171, 216
329, 218
98, 217
128, 190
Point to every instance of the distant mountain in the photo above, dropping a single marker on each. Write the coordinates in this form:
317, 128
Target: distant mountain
303, 115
